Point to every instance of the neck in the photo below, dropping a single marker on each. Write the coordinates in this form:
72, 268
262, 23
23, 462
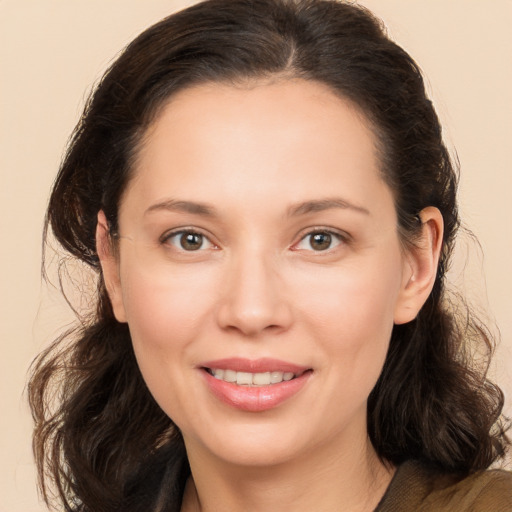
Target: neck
320, 481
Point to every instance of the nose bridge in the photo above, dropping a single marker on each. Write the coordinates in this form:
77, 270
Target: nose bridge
252, 295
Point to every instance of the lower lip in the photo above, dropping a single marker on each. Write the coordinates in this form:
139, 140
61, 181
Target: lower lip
255, 398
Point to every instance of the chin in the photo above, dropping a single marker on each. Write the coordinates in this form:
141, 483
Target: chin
259, 444
258, 454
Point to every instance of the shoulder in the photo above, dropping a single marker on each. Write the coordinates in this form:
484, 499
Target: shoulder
418, 488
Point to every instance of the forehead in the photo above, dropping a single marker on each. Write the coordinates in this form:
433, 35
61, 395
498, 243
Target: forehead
285, 140
263, 105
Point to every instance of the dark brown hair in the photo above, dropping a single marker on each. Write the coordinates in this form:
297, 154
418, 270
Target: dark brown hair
99, 435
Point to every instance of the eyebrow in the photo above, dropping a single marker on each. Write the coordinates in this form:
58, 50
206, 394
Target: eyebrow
322, 205
183, 206
302, 208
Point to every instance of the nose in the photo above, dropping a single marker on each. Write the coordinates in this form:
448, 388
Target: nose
253, 297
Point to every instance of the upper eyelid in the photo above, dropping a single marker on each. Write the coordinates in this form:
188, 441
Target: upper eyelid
179, 231
340, 234
166, 241
342, 238
343, 235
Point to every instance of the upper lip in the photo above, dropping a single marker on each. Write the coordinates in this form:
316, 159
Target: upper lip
254, 365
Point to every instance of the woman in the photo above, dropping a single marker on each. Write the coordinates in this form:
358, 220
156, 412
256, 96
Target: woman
265, 195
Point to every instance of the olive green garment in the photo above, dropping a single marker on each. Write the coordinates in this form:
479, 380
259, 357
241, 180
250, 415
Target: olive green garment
415, 488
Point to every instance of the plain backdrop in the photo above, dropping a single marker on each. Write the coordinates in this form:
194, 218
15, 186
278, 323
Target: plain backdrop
52, 51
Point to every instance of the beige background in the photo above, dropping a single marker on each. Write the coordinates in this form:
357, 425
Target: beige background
51, 51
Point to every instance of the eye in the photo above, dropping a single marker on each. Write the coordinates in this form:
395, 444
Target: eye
187, 241
319, 241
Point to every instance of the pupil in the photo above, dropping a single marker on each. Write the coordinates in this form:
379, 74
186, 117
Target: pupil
191, 241
321, 241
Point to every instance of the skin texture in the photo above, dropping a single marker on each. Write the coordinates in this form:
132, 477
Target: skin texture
268, 165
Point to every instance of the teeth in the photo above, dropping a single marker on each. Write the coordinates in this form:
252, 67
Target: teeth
276, 377
229, 376
252, 379
243, 378
219, 374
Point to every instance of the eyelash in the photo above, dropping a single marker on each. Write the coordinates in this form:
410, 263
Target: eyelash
166, 239
333, 237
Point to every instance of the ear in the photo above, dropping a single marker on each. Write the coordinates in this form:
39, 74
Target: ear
420, 266
109, 266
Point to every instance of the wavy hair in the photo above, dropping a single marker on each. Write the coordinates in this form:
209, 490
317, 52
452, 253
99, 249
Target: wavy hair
101, 441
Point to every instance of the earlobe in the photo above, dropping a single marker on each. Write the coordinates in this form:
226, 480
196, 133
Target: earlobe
420, 266
109, 266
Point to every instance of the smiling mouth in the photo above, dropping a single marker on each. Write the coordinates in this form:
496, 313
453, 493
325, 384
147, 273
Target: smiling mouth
251, 379
254, 385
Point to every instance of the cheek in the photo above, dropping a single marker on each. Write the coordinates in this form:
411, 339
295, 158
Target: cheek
350, 311
356, 330
165, 316
353, 299
165, 307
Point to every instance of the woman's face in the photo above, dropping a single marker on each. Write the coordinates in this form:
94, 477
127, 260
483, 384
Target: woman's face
259, 244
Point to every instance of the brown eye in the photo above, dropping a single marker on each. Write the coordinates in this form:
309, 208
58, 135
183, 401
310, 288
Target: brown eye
320, 241
187, 241
191, 241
